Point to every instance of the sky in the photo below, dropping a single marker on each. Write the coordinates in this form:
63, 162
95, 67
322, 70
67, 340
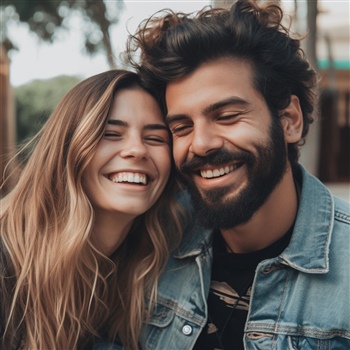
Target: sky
38, 60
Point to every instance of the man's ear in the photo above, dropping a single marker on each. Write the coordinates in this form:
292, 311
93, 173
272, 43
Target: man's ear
292, 121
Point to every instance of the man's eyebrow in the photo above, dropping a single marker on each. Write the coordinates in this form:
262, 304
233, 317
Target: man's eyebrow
231, 101
174, 118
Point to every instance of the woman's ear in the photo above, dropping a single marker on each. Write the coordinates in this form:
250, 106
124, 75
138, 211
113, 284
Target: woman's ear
292, 121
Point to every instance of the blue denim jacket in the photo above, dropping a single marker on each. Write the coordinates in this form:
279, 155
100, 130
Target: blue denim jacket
299, 300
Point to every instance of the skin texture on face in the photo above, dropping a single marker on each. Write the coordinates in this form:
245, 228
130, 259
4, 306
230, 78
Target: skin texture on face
229, 152
131, 166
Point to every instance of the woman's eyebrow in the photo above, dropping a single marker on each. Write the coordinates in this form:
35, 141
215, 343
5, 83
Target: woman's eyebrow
117, 122
156, 127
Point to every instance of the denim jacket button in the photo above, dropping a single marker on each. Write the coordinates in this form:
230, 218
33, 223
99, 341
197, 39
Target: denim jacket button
187, 330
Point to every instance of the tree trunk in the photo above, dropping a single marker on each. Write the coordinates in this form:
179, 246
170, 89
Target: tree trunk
100, 17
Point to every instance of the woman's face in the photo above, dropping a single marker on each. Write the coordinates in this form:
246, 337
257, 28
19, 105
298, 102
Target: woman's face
132, 163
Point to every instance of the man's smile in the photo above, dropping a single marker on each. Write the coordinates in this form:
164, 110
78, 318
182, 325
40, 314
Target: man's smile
219, 171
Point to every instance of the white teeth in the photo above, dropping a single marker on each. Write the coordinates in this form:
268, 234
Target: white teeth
210, 173
216, 172
130, 177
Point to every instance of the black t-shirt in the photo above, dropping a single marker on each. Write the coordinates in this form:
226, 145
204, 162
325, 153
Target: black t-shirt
229, 294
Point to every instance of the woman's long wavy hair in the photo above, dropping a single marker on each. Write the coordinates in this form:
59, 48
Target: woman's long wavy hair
58, 290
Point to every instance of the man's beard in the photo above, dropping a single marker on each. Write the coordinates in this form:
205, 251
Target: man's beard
266, 169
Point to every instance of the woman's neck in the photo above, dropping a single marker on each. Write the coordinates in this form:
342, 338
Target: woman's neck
110, 230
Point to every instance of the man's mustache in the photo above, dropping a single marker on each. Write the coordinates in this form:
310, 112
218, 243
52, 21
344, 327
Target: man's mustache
215, 159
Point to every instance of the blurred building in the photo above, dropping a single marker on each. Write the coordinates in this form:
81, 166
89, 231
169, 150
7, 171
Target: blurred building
333, 50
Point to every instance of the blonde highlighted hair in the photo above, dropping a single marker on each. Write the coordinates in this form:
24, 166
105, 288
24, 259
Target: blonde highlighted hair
58, 290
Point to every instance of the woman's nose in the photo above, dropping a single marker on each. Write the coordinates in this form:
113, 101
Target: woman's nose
134, 148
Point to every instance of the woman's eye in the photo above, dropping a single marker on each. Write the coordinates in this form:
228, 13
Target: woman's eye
111, 134
157, 139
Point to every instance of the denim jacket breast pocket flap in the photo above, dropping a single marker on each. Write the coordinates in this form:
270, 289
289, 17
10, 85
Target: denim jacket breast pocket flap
162, 316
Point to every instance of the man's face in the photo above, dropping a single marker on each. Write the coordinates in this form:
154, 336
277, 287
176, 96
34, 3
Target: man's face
230, 152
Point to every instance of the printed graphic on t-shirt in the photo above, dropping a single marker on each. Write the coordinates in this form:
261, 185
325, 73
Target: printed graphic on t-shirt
229, 296
227, 314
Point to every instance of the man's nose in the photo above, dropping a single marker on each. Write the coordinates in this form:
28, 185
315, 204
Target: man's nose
205, 139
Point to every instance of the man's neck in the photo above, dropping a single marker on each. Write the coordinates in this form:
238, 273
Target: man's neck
269, 223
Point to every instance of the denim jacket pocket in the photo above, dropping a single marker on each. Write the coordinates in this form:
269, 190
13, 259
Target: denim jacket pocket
161, 316
156, 327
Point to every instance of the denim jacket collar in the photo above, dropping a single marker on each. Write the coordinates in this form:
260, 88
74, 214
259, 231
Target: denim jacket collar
308, 252
196, 239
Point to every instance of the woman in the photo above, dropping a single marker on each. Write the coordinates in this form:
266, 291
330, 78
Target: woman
84, 232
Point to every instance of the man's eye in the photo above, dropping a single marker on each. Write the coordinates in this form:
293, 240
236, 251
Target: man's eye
179, 130
228, 117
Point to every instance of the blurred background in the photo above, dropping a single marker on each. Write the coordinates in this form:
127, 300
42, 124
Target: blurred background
49, 46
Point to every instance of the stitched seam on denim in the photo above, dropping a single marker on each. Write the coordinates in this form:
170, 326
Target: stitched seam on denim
189, 316
201, 275
343, 217
282, 303
326, 246
299, 331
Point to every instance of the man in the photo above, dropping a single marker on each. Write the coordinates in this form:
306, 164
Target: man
267, 265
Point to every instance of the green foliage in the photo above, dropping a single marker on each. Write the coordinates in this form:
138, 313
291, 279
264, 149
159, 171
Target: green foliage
45, 18
36, 100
